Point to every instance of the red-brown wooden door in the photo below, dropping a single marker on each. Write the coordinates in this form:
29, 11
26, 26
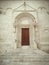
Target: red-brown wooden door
25, 36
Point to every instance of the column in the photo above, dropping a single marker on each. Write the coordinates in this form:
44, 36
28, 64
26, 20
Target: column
34, 34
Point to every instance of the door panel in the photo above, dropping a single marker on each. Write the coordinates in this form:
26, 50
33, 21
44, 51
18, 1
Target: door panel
25, 36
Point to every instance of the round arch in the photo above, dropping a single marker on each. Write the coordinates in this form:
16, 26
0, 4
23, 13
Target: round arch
31, 26
22, 15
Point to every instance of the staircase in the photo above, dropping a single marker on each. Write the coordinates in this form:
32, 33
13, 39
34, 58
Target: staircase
24, 56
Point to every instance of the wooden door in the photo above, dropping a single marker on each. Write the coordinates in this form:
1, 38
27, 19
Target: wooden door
25, 36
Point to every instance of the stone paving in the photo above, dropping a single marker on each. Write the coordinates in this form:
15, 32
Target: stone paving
24, 57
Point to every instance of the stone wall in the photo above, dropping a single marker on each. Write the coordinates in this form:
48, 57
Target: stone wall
8, 12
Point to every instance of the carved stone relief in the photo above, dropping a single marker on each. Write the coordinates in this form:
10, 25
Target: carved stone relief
24, 9
31, 26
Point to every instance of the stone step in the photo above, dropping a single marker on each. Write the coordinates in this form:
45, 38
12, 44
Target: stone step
27, 56
24, 57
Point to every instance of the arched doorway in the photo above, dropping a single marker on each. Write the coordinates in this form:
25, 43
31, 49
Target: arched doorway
24, 26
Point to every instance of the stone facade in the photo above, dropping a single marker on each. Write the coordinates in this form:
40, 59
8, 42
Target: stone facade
9, 11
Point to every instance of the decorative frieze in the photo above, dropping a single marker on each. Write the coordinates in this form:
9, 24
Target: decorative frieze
3, 11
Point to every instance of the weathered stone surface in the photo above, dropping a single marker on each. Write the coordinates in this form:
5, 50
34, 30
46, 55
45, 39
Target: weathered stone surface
24, 57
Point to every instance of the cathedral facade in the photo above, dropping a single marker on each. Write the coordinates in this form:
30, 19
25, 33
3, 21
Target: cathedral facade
24, 24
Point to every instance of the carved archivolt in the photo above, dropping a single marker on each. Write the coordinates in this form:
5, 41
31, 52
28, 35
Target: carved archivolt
17, 23
24, 15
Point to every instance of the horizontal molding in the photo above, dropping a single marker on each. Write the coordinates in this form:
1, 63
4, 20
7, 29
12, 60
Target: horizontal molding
44, 44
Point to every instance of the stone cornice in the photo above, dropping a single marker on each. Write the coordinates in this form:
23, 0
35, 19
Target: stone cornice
3, 11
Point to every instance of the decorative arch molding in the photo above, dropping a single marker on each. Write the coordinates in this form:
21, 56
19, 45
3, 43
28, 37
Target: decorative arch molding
32, 29
22, 15
25, 14
42, 8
